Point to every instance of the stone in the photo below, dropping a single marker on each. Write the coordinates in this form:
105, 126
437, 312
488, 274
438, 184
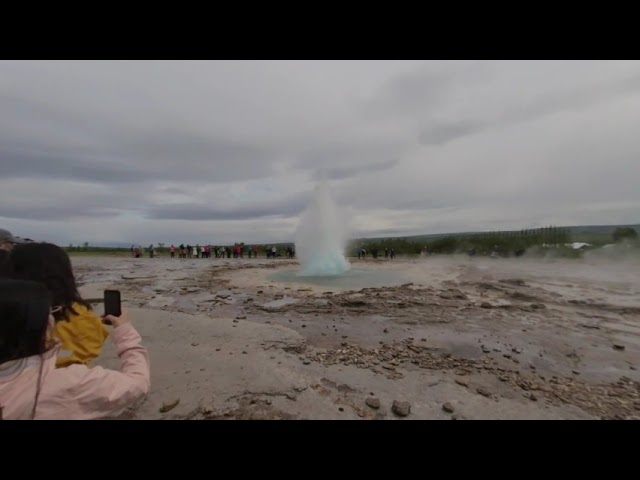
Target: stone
462, 382
373, 403
137, 277
169, 406
486, 305
185, 305
386, 330
401, 409
484, 392
447, 407
160, 302
195, 344
306, 362
618, 347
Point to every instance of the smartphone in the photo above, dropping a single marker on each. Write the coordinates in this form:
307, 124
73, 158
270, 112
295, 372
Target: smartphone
112, 303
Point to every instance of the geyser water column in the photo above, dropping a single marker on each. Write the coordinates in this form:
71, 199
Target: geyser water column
322, 236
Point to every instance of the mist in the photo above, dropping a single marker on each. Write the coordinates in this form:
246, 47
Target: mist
322, 236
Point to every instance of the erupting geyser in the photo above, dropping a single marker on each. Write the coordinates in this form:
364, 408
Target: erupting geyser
321, 237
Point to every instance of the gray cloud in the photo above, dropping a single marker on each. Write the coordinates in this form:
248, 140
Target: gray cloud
287, 207
129, 149
440, 134
144, 157
528, 108
345, 160
338, 173
58, 212
420, 90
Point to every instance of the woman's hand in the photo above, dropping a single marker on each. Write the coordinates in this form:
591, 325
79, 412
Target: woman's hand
117, 321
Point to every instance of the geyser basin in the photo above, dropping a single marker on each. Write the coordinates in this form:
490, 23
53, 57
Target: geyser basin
353, 279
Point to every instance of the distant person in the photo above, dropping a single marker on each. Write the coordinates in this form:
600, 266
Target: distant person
274, 252
8, 241
172, 251
250, 252
80, 331
255, 251
31, 388
386, 252
393, 253
132, 251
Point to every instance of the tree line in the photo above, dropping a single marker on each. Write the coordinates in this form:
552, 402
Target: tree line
507, 242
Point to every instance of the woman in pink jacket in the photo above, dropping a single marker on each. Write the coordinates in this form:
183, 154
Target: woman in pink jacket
31, 387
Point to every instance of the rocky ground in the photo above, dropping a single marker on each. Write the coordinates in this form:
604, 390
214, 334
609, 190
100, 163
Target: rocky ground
452, 338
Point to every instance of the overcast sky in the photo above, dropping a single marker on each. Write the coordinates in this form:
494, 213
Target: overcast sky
223, 151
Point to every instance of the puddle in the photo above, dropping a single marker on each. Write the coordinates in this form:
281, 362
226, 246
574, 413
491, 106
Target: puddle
354, 279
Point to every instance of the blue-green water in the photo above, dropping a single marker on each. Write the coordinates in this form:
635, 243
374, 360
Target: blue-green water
352, 279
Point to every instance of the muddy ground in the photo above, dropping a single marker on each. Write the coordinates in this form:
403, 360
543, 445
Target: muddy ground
450, 338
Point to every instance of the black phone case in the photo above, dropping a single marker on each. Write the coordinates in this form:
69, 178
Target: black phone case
112, 303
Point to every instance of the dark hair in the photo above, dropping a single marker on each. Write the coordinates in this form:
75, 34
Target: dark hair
24, 317
5, 264
49, 264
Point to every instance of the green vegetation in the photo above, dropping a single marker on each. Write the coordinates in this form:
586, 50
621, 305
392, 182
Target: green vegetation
624, 233
508, 243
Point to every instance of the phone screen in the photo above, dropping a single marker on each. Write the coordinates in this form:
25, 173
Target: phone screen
112, 303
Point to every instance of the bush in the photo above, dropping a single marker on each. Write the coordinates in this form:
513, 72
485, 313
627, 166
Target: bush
624, 233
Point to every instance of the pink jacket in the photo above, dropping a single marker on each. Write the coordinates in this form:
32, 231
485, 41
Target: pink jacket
76, 392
